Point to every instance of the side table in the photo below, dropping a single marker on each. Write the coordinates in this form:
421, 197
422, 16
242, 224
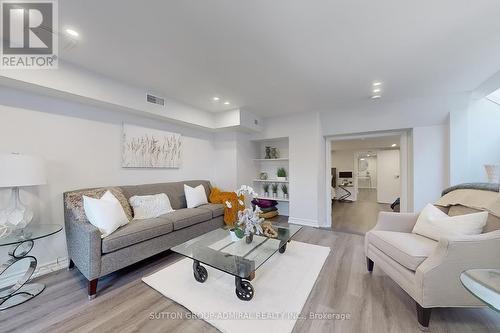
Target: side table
21, 242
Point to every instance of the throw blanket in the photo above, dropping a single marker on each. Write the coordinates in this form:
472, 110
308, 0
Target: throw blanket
235, 204
473, 186
477, 196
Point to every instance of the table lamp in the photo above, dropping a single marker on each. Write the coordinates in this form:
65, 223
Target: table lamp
17, 170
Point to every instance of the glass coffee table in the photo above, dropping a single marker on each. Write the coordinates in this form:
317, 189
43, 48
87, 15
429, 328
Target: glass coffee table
484, 284
234, 256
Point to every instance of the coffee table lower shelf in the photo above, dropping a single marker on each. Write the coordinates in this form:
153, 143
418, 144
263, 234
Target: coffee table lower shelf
243, 288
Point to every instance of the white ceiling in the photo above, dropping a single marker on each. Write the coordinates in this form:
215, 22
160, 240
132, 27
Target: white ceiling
284, 56
374, 143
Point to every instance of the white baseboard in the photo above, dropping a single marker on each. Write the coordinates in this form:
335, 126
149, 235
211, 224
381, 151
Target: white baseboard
305, 222
52, 266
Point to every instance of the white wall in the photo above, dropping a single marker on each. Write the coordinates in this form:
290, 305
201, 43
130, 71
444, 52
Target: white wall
474, 140
82, 148
343, 160
483, 138
430, 164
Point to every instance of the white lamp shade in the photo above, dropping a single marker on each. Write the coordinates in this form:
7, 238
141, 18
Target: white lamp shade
21, 170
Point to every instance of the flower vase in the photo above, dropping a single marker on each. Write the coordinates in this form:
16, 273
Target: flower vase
249, 238
268, 152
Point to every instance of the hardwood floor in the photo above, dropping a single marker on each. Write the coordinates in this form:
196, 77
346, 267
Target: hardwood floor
373, 302
359, 216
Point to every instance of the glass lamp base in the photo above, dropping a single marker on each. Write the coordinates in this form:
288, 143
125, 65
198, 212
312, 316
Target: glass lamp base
17, 215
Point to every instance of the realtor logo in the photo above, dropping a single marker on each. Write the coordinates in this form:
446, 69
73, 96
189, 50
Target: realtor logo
28, 34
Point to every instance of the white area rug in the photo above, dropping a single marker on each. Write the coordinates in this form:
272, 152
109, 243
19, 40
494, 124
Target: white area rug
281, 285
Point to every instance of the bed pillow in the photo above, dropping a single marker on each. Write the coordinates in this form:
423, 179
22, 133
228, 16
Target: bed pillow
106, 213
195, 196
150, 206
433, 223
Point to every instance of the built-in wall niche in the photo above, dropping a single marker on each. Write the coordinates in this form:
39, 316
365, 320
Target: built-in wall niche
268, 167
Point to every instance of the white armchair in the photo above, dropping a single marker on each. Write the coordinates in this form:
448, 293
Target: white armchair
428, 270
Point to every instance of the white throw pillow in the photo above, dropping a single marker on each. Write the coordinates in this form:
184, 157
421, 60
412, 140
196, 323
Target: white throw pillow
108, 196
150, 206
435, 224
195, 196
106, 214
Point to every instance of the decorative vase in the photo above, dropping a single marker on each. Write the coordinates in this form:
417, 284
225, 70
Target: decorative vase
275, 195
249, 238
281, 179
274, 152
234, 238
266, 194
285, 195
268, 152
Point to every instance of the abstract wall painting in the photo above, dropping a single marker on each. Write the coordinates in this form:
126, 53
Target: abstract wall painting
150, 148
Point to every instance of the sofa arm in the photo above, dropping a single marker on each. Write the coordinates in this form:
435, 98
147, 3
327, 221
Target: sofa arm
438, 277
400, 222
84, 246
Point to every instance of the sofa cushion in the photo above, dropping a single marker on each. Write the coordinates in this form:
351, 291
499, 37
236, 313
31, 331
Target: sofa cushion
186, 217
216, 209
136, 232
408, 249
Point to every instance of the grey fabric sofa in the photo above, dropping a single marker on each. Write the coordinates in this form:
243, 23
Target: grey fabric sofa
95, 257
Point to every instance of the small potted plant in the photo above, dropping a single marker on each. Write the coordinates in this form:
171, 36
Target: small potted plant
265, 186
274, 187
284, 189
281, 174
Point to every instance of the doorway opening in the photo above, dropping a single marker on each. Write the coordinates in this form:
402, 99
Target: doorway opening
368, 174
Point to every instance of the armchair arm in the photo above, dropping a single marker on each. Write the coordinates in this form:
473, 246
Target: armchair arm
400, 222
438, 277
84, 246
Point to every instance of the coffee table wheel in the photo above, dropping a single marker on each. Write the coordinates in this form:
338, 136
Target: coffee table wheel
244, 290
200, 273
282, 248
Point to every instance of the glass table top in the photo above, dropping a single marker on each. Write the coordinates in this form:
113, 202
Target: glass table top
30, 232
484, 284
217, 249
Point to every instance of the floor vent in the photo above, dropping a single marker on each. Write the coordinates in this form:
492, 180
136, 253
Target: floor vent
155, 100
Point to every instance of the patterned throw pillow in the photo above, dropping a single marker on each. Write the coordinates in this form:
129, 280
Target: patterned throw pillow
150, 206
74, 201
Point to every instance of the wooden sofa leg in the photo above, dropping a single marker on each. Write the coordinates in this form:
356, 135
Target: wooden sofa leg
71, 265
424, 316
369, 264
92, 288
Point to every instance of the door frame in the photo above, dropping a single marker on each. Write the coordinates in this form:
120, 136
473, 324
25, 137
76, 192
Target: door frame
406, 158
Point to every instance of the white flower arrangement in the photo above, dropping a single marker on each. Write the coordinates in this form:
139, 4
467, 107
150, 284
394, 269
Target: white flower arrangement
249, 219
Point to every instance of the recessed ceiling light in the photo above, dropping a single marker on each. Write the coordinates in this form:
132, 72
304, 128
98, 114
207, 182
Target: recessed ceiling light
368, 155
72, 32
377, 83
376, 90
226, 103
361, 159
393, 145
216, 99
376, 96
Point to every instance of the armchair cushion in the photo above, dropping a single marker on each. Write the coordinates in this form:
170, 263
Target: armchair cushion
408, 249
